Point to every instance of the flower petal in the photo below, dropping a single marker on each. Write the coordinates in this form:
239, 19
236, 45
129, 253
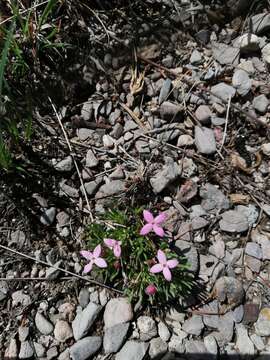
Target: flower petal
100, 262
167, 274
109, 242
146, 229
161, 257
97, 251
86, 254
158, 230
88, 268
117, 250
172, 263
156, 268
160, 218
148, 216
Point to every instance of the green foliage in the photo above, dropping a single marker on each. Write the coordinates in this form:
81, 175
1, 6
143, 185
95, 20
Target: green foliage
131, 272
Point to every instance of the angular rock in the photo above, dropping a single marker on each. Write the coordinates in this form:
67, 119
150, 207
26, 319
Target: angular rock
43, 325
53, 273
203, 114
163, 331
243, 343
62, 331
205, 140
262, 326
64, 165
169, 110
85, 348
238, 314
92, 186
132, 350
247, 43
254, 250
225, 54
190, 253
233, 222
170, 172
250, 211
147, 328
48, 216
39, 350
241, 82
176, 344
213, 198
221, 92
211, 345
165, 91
114, 337
196, 58
229, 290
26, 350
111, 188
185, 140
260, 23
194, 325
91, 161
157, 348
195, 348
12, 350
260, 103
266, 54
84, 320
117, 311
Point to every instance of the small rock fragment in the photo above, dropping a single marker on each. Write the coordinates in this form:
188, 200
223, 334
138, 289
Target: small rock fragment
205, 140
147, 328
91, 160
241, 82
132, 350
221, 92
26, 350
170, 172
260, 103
48, 216
114, 337
193, 325
117, 311
243, 343
157, 348
64, 165
85, 348
43, 325
84, 320
233, 221
260, 23
262, 326
62, 331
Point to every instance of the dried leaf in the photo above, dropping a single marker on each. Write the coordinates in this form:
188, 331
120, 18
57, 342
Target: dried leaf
239, 199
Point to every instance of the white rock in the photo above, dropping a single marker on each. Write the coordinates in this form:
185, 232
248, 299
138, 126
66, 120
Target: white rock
266, 54
147, 328
248, 42
205, 140
241, 82
243, 342
62, 331
12, 350
185, 140
260, 103
91, 160
26, 350
132, 350
163, 331
266, 149
85, 348
211, 344
117, 311
43, 325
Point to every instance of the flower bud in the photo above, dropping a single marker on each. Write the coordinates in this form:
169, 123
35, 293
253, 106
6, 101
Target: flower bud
117, 265
151, 289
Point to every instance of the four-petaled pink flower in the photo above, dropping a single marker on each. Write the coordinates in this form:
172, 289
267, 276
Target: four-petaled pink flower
94, 258
164, 265
114, 245
153, 223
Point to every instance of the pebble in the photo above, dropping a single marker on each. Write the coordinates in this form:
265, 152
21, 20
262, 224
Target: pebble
247, 65
238, 314
262, 326
176, 344
87, 110
185, 140
266, 54
241, 82
117, 311
51, 272
190, 253
19, 298
257, 341
229, 290
205, 140
260, 103
196, 58
84, 320
132, 350
52, 353
39, 350
195, 347
65, 355
26, 350
194, 325
211, 345
64, 165
252, 263
243, 343
48, 216
85, 348
247, 43
165, 91
91, 161
12, 350
250, 211
66, 190
203, 114
157, 348
114, 337
169, 110
170, 172
92, 186
266, 149
43, 325
163, 331
251, 313
222, 91
233, 222
62, 331
260, 23
213, 198
84, 297
254, 250
111, 188
225, 54
218, 249
147, 328
23, 332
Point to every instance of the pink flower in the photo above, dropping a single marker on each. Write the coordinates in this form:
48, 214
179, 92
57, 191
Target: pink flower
153, 223
94, 258
164, 265
114, 245
151, 289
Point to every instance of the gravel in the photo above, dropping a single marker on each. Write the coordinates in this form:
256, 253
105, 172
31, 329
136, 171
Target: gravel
85, 319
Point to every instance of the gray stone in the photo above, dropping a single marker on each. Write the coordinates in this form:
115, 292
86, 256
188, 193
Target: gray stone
130, 125
185, 140
52, 353
266, 54
111, 188
132, 350
48, 216
260, 103
84, 297
238, 313
169, 110
252, 263
117, 131
218, 249
62, 331
53, 273
114, 337
163, 331
92, 186
17, 238
211, 345
91, 161
262, 326
260, 23
222, 91
23, 332
170, 134
65, 165
12, 350
205, 140
19, 298
203, 114
84, 320
87, 110
198, 223
165, 91
247, 43
67, 190
250, 211
170, 172
266, 150
196, 58
224, 54
193, 325
117, 311
85, 348
243, 343
157, 348
117, 174
195, 347
213, 198
257, 341
176, 344
26, 350
253, 249
233, 222
65, 355
241, 82
39, 350
203, 36
86, 134
147, 328
43, 325
190, 253
225, 331
265, 246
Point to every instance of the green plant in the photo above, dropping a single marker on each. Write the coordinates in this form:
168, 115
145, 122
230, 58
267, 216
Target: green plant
131, 272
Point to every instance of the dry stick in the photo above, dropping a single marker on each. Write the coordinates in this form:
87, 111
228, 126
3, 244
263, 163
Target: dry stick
226, 124
74, 160
60, 269
35, 279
